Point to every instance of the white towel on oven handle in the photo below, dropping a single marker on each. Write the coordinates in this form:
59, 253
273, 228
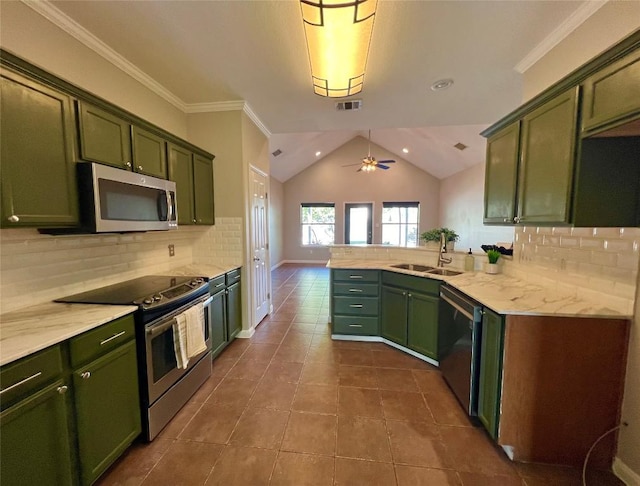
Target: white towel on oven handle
180, 341
195, 330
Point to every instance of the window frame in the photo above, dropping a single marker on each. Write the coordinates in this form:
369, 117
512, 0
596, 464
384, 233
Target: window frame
303, 223
404, 205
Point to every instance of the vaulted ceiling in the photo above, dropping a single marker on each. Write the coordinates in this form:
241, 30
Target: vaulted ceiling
206, 53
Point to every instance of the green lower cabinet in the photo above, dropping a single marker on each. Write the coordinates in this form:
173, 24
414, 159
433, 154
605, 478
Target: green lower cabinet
490, 382
393, 314
218, 321
35, 438
422, 333
234, 310
107, 409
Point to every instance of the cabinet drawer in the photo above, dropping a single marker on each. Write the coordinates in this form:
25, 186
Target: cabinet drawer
355, 289
233, 276
94, 343
355, 325
216, 284
408, 282
30, 373
366, 306
357, 275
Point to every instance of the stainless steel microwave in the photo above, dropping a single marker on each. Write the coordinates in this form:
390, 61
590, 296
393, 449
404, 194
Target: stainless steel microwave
116, 200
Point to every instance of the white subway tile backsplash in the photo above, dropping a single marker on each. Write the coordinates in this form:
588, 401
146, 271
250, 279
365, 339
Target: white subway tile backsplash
588, 232
592, 243
607, 232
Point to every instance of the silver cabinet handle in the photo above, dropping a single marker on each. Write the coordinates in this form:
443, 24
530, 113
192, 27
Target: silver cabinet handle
355, 290
505, 220
219, 285
13, 218
355, 325
85, 375
237, 277
21, 382
115, 336
139, 167
194, 220
62, 389
409, 295
355, 276
516, 219
128, 164
356, 306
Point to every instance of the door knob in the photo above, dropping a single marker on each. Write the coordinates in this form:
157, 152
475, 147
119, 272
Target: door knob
256, 259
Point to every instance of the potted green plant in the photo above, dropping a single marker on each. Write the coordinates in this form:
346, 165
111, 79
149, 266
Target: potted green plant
492, 265
432, 237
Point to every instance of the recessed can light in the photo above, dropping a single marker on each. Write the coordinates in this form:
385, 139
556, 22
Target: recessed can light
442, 84
318, 153
405, 150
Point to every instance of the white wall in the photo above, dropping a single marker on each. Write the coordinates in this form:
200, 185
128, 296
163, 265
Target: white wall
462, 207
276, 213
611, 23
27, 34
328, 181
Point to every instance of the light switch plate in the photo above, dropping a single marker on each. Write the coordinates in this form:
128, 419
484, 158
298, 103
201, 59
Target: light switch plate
172, 250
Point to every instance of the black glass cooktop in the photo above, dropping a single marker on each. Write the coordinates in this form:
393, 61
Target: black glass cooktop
134, 292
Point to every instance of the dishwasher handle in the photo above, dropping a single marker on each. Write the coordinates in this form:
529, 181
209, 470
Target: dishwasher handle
457, 307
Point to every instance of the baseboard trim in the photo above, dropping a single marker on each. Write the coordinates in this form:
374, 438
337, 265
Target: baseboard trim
378, 339
246, 333
279, 264
311, 262
627, 475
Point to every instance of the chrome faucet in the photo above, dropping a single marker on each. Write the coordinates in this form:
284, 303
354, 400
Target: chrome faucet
443, 249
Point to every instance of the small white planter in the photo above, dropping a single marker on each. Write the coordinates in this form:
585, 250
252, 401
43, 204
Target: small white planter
492, 268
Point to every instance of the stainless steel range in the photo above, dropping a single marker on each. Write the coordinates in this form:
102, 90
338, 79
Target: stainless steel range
164, 386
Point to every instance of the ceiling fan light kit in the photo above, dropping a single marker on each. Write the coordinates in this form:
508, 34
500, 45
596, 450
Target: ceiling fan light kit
369, 163
338, 36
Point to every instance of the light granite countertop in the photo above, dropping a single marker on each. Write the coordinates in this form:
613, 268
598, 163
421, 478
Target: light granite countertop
31, 329
509, 295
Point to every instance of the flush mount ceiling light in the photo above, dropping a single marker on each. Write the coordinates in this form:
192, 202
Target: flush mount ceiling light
338, 35
405, 150
442, 84
318, 153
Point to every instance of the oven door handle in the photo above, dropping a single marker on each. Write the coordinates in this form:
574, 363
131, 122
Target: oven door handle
207, 302
160, 328
456, 306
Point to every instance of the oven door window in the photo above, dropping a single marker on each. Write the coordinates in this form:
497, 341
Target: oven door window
163, 355
129, 202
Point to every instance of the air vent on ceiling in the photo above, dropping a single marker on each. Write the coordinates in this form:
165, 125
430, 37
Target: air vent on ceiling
276, 153
460, 146
349, 105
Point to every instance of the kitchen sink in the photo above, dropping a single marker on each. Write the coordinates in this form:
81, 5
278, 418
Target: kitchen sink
445, 272
414, 267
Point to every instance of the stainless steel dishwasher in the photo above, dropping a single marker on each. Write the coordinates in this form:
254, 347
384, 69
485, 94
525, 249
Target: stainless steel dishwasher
460, 331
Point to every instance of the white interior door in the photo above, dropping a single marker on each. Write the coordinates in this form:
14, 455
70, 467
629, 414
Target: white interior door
259, 246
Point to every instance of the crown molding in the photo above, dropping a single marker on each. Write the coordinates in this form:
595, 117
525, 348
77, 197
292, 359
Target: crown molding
254, 118
71, 27
214, 106
574, 21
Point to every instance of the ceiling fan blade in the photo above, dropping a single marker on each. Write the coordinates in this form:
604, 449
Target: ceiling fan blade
386, 161
351, 165
383, 167
359, 170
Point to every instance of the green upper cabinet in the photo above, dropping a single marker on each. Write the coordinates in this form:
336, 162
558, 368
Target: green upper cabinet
393, 314
490, 376
107, 409
37, 130
104, 138
546, 168
501, 176
193, 175
612, 95
422, 332
181, 172
35, 440
149, 153
203, 189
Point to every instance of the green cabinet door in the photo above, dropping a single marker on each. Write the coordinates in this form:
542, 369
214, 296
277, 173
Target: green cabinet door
393, 314
35, 440
104, 138
149, 153
501, 176
107, 409
422, 318
218, 322
546, 168
203, 189
234, 310
181, 172
37, 152
612, 95
490, 372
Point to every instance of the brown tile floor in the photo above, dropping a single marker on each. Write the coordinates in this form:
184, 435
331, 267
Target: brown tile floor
292, 407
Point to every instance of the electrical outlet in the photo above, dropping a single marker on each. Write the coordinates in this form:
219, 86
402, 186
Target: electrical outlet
172, 250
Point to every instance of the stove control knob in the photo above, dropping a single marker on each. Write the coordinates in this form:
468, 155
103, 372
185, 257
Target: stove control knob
147, 301
194, 282
157, 297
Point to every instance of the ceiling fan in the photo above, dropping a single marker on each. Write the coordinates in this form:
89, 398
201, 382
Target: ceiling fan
369, 163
